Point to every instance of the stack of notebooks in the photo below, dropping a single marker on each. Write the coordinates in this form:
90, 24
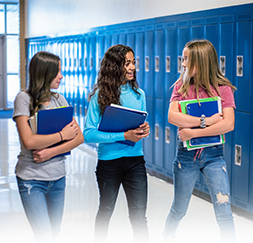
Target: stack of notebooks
51, 121
207, 107
118, 118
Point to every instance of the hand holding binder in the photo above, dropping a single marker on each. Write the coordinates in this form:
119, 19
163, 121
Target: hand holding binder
207, 107
51, 121
121, 119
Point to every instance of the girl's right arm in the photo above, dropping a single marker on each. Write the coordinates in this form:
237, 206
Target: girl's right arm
33, 141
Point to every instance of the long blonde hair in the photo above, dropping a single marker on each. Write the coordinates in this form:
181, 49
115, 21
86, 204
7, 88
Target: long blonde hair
202, 58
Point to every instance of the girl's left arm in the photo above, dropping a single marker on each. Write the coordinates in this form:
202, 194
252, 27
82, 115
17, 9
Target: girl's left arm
224, 126
47, 153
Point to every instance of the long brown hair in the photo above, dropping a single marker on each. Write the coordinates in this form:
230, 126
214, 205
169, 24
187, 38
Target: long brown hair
43, 69
203, 58
112, 75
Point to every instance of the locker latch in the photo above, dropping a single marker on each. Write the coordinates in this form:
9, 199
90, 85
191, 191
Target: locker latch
167, 64
179, 64
239, 66
167, 135
238, 155
156, 132
223, 65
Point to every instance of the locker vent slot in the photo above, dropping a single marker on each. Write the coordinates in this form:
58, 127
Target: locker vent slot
167, 64
238, 155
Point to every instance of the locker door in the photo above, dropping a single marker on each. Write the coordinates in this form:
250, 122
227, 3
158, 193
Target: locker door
242, 146
211, 34
159, 61
211, 31
183, 36
122, 37
101, 49
158, 97
159, 136
115, 37
139, 56
243, 63
170, 131
149, 64
86, 70
241, 164
148, 142
226, 58
197, 31
92, 61
108, 40
131, 38
149, 88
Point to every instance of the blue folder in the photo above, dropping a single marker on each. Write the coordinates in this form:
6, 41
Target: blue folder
53, 121
120, 119
208, 108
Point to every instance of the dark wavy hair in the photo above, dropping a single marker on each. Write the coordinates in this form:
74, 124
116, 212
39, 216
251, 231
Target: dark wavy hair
43, 69
112, 75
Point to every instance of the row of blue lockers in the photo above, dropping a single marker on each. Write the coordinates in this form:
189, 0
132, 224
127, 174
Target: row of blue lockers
158, 45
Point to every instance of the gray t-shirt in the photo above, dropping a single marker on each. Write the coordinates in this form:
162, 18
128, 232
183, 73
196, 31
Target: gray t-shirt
27, 168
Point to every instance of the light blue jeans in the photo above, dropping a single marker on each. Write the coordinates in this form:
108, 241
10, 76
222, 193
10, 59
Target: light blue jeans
43, 202
186, 167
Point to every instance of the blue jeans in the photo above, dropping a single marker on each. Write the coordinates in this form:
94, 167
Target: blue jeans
131, 173
43, 202
212, 165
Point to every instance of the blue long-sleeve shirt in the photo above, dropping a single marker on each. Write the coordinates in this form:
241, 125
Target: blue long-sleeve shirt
108, 148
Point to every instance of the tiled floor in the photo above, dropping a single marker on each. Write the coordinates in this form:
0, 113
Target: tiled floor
199, 225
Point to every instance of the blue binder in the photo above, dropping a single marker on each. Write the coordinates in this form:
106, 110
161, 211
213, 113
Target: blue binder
208, 108
53, 121
120, 119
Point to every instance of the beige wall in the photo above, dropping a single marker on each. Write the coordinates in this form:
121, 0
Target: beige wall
61, 17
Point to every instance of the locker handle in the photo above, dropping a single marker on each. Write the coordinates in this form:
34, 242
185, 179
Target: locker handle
137, 64
156, 132
147, 64
179, 64
167, 64
239, 66
238, 155
157, 63
223, 65
167, 135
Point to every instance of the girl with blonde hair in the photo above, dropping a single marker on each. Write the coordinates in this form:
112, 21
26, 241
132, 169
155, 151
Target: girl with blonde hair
201, 78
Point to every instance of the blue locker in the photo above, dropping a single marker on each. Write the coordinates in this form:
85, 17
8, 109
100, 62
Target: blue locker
101, 49
243, 81
115, 37
139, 56
170, 59
92, 61
196, 30
241, 167
149, 63
131, 38
108, 40
149, 141
159, 61
226, 59
183, 36
170, 136
170, 131
159, 136
211, 31
122, 37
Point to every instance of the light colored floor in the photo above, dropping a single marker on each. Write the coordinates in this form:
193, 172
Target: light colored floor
199, 225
